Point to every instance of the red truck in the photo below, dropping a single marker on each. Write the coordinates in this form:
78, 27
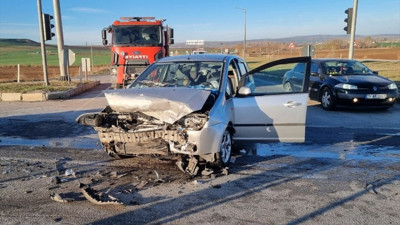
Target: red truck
136, 42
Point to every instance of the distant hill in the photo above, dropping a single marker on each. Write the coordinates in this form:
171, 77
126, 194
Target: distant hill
26, 42
308, 39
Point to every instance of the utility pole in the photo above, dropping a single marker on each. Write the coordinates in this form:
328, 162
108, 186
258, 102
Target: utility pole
42, 43
60, 40
244, 42
353, 29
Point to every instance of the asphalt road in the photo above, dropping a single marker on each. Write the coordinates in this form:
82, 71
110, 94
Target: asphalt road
347, 172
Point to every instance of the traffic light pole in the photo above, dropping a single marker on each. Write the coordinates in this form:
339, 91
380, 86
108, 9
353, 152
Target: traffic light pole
60, 40
42, 43
353, 29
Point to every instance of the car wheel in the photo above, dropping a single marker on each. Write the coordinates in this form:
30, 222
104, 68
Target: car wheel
287, 87
110, 149
327, 99
225, 149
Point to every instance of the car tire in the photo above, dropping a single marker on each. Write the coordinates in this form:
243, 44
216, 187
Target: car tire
223, 157
327, 100
287, 87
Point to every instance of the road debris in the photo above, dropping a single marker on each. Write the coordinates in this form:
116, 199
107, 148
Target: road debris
207, 172
55, 180
69, 172
58, 198
158, 179
196, 182
179, 164
370, 188
225, 171
217, 186
192, 167
99, 198
141, 185
116, 174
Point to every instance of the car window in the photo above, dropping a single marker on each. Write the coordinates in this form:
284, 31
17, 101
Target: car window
199, 75
277, 79
299, 68
345, 67
314, 67
242, 68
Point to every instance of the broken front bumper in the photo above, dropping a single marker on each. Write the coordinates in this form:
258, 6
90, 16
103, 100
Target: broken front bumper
189, 142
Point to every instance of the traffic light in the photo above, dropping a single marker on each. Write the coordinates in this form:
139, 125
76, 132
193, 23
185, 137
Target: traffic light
47, 26
348, 20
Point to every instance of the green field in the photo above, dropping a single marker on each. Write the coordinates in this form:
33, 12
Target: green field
25, 52
389, 44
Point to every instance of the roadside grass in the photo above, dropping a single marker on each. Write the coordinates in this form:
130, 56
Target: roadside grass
31, 55
37, 87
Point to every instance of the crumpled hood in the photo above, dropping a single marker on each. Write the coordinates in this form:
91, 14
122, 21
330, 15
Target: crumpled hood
167, 104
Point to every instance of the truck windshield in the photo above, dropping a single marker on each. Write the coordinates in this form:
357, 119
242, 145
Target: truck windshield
137, 36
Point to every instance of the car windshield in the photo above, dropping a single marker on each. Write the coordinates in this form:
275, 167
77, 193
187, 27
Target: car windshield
338, 67
199, 75
137, 36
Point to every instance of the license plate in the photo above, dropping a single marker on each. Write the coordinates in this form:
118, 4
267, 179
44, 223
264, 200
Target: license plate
375, 96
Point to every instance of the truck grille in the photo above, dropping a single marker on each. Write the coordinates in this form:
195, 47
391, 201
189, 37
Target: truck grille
136, 66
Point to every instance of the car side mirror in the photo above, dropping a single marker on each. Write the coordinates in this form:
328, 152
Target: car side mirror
244, 91
375, 72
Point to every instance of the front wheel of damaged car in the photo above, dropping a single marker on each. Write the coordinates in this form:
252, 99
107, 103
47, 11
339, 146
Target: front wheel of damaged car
225, 149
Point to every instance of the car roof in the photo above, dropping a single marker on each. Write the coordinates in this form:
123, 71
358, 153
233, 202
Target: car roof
199, 58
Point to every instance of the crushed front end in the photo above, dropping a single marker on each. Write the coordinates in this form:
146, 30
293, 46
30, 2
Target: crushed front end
140, 121
128, 134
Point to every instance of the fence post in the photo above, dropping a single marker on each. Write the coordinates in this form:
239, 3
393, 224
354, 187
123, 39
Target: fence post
80, 73
19, 73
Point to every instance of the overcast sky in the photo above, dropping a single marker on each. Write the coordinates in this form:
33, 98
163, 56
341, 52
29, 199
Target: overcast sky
209, 20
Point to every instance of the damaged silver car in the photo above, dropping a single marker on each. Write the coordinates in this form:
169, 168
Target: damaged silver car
197, 106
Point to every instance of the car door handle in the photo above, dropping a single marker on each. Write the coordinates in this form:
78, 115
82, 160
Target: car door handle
292, 104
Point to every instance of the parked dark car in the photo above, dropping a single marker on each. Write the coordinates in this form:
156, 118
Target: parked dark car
344, 82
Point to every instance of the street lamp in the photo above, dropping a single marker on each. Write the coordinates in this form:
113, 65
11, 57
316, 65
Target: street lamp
244, 43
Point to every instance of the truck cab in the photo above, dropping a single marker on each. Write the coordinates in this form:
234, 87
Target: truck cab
136, 42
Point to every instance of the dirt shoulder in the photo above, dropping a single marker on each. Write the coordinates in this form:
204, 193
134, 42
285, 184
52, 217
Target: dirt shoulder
258, 190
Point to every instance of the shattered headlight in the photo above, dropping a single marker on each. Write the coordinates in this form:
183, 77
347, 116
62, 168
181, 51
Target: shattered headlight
195, 121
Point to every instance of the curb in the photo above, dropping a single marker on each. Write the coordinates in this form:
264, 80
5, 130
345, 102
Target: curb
41, 97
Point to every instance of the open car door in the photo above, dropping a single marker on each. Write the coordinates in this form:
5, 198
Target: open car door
271, 103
